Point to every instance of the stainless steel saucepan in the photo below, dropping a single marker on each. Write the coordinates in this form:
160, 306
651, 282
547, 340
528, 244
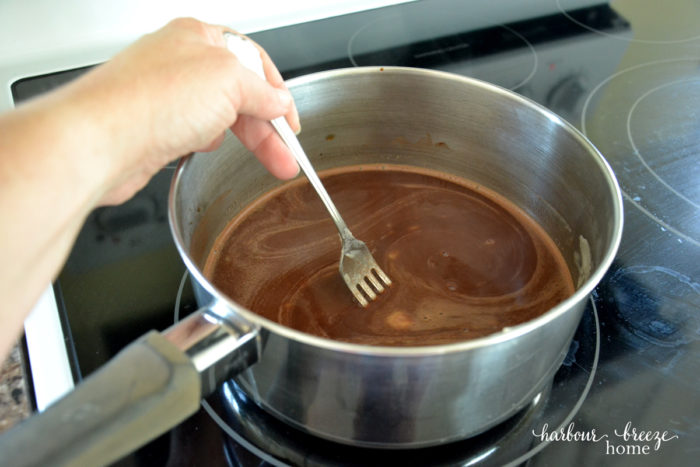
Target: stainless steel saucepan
423, 396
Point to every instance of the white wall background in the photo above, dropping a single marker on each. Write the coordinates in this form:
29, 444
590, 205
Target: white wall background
42, 30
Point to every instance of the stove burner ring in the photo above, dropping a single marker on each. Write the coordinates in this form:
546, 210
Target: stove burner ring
504, 441
692, 62
621, 38
535, 58
533, 52
637, 152
586, 368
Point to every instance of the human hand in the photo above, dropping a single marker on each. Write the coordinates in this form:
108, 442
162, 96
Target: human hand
173, 92
101, 138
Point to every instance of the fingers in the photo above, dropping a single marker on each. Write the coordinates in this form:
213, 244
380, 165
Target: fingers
252, 99
260, 100
275, 79
254, 102
260, 138
252, 126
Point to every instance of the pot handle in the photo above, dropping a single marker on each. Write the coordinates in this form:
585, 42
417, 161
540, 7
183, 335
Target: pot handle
150, 386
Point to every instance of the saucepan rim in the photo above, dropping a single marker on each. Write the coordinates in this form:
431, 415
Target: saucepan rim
506, 334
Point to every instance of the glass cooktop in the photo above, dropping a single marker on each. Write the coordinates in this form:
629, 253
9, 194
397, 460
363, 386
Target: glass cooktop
627, 74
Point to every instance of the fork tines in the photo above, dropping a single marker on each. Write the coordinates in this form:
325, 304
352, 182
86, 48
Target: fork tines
368, 285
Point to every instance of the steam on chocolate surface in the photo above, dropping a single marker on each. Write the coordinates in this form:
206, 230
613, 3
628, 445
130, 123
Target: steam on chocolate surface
464, 262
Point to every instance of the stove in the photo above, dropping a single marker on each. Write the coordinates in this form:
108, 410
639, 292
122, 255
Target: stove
627, 74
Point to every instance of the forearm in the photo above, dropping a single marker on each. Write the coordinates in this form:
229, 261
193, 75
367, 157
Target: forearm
51, 176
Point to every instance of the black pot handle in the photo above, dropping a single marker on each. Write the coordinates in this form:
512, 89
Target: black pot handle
150, 386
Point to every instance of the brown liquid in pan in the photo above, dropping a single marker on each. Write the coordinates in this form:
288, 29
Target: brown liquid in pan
464, 262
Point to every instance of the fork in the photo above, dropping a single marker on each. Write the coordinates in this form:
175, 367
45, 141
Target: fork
359, 270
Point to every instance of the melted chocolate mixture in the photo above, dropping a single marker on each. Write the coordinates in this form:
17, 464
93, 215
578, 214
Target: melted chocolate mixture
464, 262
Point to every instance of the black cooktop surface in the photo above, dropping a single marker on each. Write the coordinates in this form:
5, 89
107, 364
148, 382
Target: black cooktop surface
628, 76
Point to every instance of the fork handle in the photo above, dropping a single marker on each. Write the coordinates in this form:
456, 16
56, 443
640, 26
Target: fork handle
285, 131
249, 56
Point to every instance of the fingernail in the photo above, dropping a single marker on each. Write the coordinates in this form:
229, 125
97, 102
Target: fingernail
285, 97
298, 131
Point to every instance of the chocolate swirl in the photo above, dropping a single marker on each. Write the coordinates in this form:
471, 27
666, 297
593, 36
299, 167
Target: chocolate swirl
464, 261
